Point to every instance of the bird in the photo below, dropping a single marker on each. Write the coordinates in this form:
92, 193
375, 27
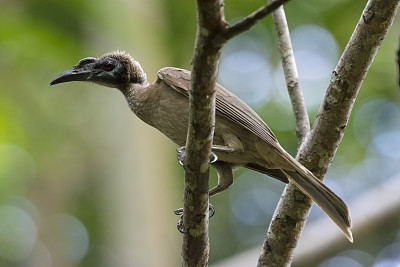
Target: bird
241, 137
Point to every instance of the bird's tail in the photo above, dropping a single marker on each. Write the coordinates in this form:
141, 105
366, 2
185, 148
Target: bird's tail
325, 198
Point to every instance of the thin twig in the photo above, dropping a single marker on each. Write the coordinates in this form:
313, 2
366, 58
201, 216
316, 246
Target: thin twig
291, 75
296, 97
250, 20
320, 146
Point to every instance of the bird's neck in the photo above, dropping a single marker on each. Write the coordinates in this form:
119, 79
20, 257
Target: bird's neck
133, 94
139, 100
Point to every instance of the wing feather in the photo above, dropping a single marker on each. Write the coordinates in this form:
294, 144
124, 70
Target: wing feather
226, 104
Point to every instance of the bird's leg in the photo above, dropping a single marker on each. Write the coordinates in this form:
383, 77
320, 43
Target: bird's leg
224, 170
181, 155
225, 180
225, 177
233, 145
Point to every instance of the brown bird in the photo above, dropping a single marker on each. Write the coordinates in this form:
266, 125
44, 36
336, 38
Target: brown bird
241, 137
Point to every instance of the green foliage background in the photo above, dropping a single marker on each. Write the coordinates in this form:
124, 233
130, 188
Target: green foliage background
76, 150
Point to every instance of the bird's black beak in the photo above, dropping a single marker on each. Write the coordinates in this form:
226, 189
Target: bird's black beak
73, 74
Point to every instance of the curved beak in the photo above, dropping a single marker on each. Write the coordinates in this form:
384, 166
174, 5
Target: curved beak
73, 74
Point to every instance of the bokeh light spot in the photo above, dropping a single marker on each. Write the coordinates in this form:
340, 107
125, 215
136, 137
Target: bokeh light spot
246, 72
341, 261
315, 61
18, 233
17, 166
73, 236
388, 144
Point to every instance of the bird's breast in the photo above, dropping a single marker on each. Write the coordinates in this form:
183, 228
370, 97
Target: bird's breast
170, 116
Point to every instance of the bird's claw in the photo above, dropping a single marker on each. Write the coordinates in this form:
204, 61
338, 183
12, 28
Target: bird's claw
213, 157
180, 226
179, 212
181, 155
211, 211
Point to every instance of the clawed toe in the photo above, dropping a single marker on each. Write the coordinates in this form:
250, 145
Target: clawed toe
181, 155
213, 157
180, 226
211, 210
179, 212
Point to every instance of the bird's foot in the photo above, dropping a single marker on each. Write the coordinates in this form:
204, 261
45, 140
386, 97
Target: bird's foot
213, 157
179, 212
181, 155
180, 226
211, 211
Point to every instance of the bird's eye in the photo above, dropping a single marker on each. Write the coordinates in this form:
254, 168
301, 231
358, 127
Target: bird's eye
109, 66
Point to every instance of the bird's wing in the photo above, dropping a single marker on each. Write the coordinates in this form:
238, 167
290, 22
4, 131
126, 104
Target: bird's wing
226, 104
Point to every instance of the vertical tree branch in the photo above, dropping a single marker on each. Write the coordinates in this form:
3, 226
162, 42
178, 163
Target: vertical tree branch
290, 73
320, 146
195, 245
212, 33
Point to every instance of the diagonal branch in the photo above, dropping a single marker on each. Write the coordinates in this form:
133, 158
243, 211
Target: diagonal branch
291, 75
250, 20
319, 148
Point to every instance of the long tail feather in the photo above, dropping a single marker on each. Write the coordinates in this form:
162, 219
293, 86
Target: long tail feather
325, 198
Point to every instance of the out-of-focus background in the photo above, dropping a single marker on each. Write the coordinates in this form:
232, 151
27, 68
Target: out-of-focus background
83, 182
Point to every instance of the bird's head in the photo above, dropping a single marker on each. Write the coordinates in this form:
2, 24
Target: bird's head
115, 69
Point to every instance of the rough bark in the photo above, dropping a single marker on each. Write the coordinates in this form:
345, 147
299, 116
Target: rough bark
319, 148
195, 246
212, 33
